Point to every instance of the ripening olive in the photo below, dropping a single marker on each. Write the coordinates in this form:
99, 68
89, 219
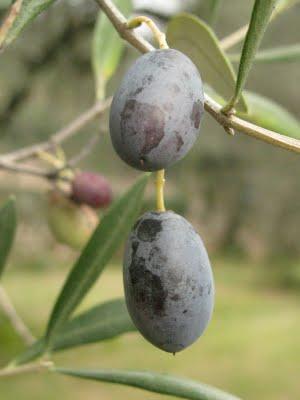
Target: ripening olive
92, 189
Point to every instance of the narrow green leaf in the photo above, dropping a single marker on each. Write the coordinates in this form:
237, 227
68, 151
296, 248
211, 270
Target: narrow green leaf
102, 322
29, 10
195, 38
107, 237
153, 382
107, 48
260, 17
8, 223
270, 115
278, 54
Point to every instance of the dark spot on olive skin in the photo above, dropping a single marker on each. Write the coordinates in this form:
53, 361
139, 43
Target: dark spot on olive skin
196, 113
209, 289
145, 119
148, 229
147, 79
154, 250
201, 290
179, 141
156, 253
162, 65
126, 115
153, 129
186, 75
137, 91
176, 297
184, 311
147, 289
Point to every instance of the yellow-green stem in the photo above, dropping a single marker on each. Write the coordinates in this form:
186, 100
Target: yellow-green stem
160, 182
159, 36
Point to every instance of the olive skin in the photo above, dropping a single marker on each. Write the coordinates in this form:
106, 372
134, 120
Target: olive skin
168, 281
156, 112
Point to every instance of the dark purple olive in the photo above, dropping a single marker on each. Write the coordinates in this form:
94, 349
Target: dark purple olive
168, 281
156, 112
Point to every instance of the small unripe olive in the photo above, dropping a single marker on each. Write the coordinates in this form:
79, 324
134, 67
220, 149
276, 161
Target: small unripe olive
70, 223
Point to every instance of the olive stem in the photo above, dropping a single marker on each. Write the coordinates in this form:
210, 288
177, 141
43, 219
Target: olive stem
14, 318
10, 161
9, 20
157, 33
50, 159
160, 183
59, 162
34, 367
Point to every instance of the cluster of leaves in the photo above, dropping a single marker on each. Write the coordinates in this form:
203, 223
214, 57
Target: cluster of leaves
104, 321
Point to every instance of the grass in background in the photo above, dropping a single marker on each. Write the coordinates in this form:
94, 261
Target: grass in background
251, 347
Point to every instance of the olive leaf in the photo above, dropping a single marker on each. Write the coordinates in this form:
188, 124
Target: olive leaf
22, 12
196, 39
278, 54
260, 17
106, 238
107, 48
8, 223
101, 322
153, 382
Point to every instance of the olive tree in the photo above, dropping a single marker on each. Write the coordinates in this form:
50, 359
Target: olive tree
154, 121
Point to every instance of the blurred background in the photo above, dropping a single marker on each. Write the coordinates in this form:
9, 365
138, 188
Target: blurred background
243, 196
